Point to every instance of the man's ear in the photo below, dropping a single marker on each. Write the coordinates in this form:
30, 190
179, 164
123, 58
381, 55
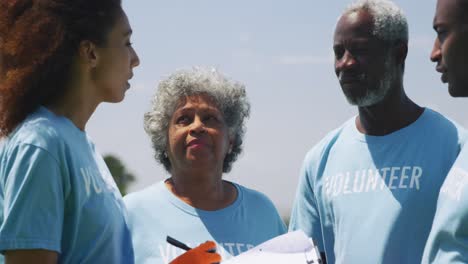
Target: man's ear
88, 53
401, 51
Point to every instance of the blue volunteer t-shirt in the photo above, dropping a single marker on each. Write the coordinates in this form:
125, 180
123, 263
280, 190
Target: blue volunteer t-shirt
371, 199
448, 240
155, 213
57, 194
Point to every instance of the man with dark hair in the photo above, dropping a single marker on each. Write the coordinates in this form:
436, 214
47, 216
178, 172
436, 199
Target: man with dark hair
368, 190
448, 240
451, 46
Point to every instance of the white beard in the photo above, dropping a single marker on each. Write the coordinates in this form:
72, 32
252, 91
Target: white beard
375, 96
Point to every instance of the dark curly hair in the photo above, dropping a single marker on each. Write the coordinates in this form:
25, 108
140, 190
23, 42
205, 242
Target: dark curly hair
39, 41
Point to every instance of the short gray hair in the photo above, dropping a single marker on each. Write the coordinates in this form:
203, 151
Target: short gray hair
390, 22
230, 97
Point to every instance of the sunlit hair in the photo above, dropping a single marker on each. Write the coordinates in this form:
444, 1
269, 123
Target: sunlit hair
39, 40
390, 22
229, 96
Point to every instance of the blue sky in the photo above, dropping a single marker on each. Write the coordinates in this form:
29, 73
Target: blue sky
282, 52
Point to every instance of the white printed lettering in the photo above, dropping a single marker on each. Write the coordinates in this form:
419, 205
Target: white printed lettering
97, 189
239, 250
338, 184
356, 179
393, 177
417, 173
388, 178
371, 181
346, 189
166, 253
403, 177
87, 180
231, 247
383, 176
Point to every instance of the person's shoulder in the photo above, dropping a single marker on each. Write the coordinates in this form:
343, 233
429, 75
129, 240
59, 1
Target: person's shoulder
328, 141
36, 130
248, 192
45, 130
441, 123
255, 198
143, 197
438, 119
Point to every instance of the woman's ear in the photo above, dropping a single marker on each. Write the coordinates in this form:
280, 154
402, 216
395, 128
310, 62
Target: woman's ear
231, 145
88, 53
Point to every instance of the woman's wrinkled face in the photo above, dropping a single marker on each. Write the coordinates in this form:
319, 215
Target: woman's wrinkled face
197, 135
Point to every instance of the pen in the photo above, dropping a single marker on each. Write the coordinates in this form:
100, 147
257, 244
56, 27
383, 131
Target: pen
177, 243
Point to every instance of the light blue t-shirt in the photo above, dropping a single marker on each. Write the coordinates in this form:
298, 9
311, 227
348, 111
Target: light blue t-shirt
371, 199
155, 213
57, 194
448, 240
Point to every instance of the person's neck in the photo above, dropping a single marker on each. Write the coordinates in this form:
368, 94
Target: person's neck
205, 191
75, 105
395, 112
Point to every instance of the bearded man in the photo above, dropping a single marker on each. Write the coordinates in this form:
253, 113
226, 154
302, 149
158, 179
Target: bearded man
367, 192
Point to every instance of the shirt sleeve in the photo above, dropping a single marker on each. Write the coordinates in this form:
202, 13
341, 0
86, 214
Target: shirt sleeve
31, 199
305, 213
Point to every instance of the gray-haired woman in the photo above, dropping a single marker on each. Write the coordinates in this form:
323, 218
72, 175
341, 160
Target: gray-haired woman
196, 124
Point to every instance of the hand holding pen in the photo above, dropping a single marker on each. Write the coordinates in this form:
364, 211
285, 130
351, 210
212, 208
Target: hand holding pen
203, 254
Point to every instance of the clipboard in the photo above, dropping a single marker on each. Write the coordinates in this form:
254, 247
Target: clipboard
292, 248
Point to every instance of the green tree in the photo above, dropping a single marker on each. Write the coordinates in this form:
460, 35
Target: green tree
122, 177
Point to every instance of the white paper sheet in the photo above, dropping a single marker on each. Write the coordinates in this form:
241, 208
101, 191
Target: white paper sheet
291, 248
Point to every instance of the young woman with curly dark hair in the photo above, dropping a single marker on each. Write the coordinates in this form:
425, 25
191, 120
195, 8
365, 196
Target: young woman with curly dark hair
59, 60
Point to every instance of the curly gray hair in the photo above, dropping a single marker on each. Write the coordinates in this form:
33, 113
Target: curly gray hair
230, 97
390, 22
